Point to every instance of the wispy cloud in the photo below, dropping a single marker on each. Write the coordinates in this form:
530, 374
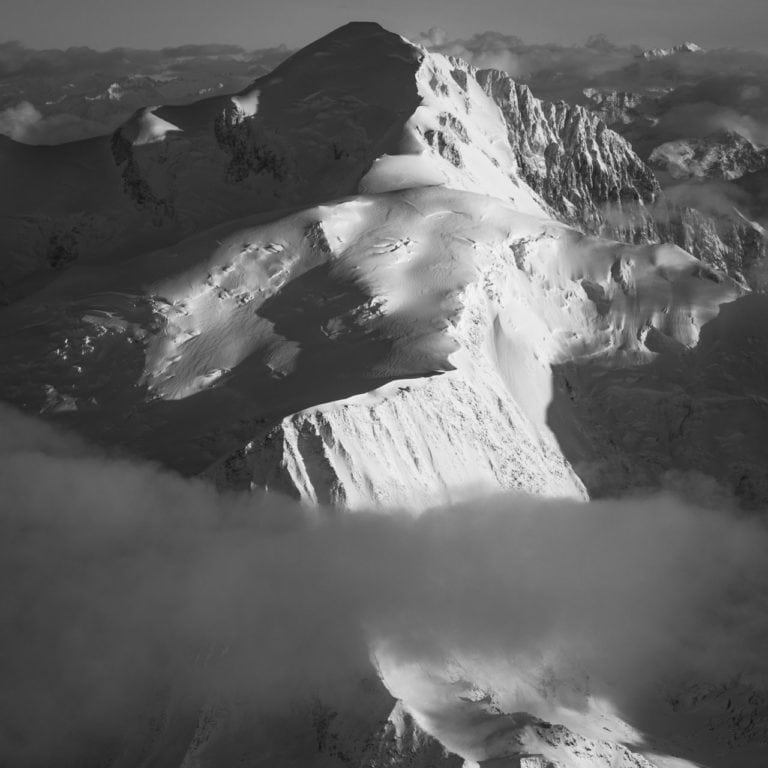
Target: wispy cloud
24, 122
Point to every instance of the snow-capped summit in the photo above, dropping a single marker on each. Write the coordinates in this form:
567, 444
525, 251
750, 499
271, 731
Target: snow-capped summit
660, 53
722, 155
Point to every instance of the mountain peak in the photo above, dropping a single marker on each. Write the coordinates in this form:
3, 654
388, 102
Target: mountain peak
660, 53
356, 36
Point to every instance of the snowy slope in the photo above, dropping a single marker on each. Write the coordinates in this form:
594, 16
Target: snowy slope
541, 294
232, 325
722, 155
217, 351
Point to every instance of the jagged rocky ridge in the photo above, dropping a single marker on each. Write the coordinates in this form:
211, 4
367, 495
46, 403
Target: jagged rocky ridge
571, 158
592, 178
721, 155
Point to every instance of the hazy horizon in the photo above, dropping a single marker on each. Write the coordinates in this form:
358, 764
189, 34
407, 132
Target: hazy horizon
108, 24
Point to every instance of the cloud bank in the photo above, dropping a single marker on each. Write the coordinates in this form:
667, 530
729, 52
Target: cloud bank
120, 582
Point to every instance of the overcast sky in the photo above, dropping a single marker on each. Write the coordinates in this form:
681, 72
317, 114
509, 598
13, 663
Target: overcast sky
259, 23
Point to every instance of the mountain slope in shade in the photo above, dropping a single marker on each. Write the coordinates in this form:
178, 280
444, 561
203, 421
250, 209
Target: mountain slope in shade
172, 171
687, 410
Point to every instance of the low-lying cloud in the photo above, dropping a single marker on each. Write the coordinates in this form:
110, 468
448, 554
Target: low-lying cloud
120, 582
531, 62
700, 119
17, 121
24, 122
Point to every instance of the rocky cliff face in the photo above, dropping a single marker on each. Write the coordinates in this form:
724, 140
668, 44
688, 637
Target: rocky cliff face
728, 241
568, 155
722, 155
615, 108
592, 178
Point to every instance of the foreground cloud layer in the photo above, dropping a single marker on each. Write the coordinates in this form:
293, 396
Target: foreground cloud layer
120, 581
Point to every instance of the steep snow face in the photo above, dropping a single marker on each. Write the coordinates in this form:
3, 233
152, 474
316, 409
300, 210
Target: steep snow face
484, 425
487, 296
457, 137
724, 155
471, 307
412, 446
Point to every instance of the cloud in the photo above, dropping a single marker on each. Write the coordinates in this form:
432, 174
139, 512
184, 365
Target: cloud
703, 118
433, 37
18, 121
54, 96
711, 197
553, 71
18, 61
24, 122
122, 585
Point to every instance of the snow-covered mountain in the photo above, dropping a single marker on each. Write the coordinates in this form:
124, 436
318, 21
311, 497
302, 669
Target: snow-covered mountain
401, 134
154, 182
661, 53
373, 278
723, 155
